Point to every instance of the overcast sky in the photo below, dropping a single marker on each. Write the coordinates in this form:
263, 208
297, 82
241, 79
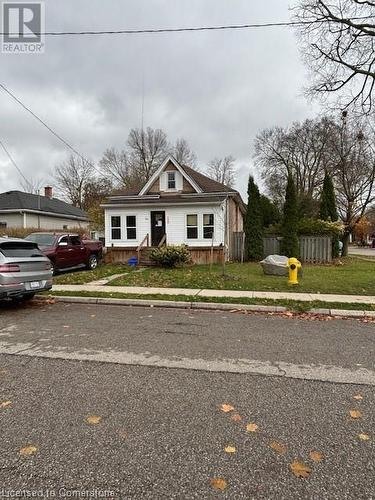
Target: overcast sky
216, 89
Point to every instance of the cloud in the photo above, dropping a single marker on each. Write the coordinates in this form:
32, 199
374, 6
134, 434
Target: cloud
216, 89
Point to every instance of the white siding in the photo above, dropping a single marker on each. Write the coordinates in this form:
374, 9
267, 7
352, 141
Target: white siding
175, 220
34, 221
12, 219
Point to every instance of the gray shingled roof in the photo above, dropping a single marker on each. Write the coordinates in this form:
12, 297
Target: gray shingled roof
176, 199
206, 184
17, 200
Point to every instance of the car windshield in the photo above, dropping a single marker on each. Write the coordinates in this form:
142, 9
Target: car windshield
20, 249
42, 239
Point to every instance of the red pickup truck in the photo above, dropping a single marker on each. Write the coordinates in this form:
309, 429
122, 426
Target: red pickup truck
68, 250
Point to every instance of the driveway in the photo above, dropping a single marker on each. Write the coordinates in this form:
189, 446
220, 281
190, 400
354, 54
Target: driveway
127, 402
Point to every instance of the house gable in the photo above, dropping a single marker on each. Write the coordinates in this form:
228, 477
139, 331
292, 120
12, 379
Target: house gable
162, 183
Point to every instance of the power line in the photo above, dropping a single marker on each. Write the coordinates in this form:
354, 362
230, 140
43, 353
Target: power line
13, 162
58, 136
228, 27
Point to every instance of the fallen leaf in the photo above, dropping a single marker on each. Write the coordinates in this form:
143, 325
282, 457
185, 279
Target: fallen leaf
364, 437
252, 427
93, 315
299, 469
5, 404
278, 447
28, 450
227, 408
93, 419
230, 449
316, 456
218, 483
66, 326
236, 417
358, 397
355, 414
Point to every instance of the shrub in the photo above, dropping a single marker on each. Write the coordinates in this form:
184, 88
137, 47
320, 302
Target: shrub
253, 223
310, 227
170, 255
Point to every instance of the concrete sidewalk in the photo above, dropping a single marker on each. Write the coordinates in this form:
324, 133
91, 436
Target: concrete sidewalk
305, 297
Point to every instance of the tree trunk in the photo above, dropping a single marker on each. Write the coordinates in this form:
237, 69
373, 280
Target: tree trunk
345, 242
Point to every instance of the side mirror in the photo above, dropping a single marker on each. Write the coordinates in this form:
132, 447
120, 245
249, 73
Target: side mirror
63, 244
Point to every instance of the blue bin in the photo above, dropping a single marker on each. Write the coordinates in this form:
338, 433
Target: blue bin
133, 261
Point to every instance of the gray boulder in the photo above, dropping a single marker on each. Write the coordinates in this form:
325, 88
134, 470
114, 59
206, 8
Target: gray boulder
275, 265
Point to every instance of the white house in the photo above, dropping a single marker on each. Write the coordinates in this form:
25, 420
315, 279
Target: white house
178, 205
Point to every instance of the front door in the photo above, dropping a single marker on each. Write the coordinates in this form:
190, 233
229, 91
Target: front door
157, 227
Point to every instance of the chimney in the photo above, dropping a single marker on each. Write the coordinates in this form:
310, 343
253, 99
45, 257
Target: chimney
48, 192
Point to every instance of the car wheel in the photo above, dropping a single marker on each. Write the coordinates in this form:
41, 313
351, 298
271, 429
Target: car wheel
93, 262
54, 269
23, 298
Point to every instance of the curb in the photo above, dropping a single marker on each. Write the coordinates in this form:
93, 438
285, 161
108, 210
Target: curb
215, 306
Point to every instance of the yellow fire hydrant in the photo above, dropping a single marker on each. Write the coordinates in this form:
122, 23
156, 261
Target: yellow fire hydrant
294, 266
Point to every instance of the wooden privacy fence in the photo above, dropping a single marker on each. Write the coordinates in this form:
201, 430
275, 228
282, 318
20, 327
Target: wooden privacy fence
314, 249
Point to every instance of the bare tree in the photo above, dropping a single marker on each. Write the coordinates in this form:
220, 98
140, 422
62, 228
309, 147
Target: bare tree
72, 177
354, 153
116, 167
338, 42
32, 185
183, 153
222, 170
147, 150
302, 151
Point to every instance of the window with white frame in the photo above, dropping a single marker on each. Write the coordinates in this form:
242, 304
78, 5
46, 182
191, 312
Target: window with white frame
116, 227
131, 227
208, 226
192, 226
171, 176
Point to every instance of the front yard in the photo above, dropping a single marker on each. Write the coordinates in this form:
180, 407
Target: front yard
354, 276
82, 277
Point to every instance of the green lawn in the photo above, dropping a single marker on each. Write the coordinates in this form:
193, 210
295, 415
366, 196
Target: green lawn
81, 277
352, 276
291, 305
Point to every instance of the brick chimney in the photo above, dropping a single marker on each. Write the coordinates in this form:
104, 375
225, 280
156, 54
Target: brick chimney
48, 192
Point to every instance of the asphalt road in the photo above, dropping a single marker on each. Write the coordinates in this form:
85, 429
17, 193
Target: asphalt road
162, 432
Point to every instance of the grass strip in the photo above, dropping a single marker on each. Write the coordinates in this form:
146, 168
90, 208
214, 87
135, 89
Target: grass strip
292, 305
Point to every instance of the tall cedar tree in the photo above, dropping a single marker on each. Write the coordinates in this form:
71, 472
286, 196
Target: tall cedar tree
253, 223
328, 209
290, 243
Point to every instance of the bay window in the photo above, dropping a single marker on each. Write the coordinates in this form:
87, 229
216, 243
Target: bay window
208, 226
192, 226
116, 227
131, 227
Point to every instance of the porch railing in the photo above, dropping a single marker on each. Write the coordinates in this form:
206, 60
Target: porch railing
163, 241
146, 240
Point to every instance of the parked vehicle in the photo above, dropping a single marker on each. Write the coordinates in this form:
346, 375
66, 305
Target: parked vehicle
67, 251
24, 269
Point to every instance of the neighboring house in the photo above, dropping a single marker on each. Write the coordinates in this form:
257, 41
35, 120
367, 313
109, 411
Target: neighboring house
25, 210
178, 205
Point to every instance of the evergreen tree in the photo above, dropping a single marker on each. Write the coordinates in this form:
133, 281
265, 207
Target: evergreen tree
270, 212
290, 243
253, 223
328, 210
